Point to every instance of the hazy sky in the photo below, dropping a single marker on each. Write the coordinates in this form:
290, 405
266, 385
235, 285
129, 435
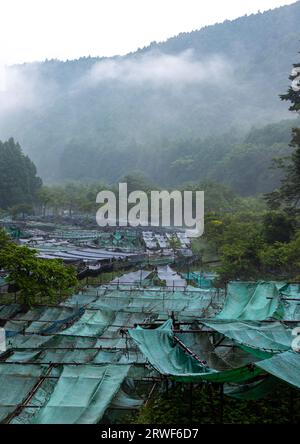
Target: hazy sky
67, 29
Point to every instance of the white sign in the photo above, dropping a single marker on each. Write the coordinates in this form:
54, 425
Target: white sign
163, 206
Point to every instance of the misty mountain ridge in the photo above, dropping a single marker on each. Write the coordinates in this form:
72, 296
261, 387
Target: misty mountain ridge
98, 118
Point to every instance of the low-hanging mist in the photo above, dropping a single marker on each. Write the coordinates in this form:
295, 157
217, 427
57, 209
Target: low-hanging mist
162, 110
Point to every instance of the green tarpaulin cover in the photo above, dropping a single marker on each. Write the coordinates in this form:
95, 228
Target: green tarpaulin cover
251, 392
82, 394
168, 358
285, 366
250, 301
92, 323
16, 383
271, 337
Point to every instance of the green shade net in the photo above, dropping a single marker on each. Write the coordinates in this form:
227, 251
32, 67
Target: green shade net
132, 277
82, 394
43, 320
168, 358
225, 356
202, 280
16, 382
29, 341
251, 392
77, 234
272, 337
123, 401
291, 290
285, 366
64, 350
187, 304
84, 298
291, 302
250, 301
39, 399
119, 357
10, 310
23, 356
92, 323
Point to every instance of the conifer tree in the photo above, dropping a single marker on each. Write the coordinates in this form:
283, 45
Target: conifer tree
288, 194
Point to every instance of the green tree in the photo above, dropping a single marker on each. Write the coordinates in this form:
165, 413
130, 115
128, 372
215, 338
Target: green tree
293, 93
282, 258
45, 198
278, 227
21, 209
35, 278
240, 252
174, 243
288, 194
4, 239
18, 180
137, 181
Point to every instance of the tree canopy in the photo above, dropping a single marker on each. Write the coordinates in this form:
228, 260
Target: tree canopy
19, 182
288, 194
36, 279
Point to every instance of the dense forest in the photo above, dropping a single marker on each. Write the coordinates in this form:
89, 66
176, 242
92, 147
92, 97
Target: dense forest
188, 109
240, 161
19, 182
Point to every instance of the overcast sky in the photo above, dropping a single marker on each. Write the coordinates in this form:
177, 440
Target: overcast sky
66, 29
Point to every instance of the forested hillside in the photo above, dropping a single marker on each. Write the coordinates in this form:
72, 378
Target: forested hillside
19, 182
182, 110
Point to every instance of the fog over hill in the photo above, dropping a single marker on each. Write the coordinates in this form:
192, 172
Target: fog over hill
163, 109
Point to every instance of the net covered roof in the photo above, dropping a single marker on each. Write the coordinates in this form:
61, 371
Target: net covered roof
85, 346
